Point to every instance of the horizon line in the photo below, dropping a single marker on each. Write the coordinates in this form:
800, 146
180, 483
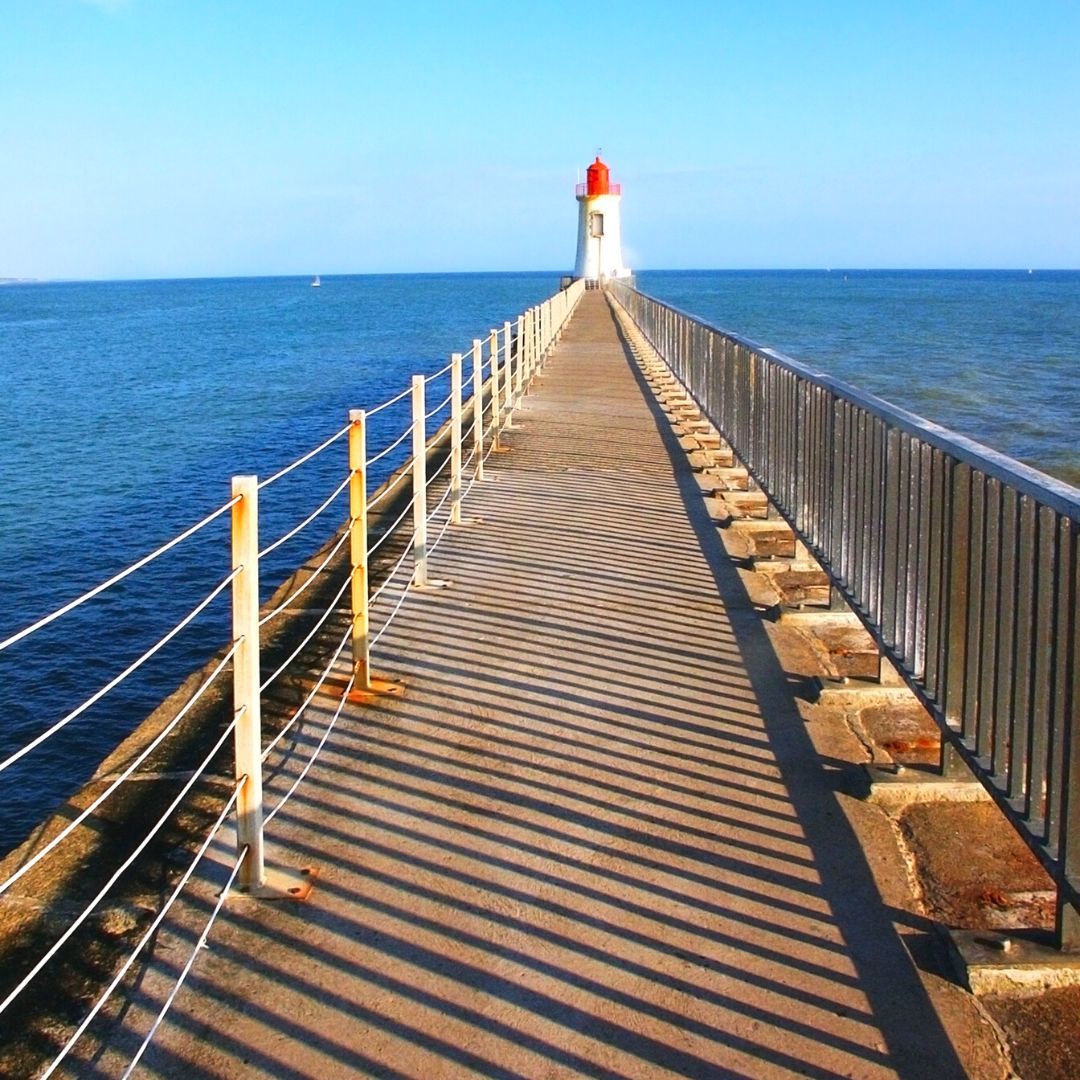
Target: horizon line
8, 281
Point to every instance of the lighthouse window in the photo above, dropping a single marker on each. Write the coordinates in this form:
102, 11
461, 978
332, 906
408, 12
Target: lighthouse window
596, 224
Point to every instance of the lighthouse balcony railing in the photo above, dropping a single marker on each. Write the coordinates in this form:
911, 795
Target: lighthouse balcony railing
582, 190
962, 563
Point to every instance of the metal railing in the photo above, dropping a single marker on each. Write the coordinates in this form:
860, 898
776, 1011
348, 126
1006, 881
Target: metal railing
435, 430
581, 191
962, 563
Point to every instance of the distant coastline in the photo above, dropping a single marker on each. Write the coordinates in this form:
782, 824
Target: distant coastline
20, 281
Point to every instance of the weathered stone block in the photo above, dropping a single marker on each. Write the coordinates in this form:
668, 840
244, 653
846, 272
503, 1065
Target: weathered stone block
733, 479
767, 539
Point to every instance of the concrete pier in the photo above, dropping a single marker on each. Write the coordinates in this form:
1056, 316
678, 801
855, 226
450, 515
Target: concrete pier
597, 836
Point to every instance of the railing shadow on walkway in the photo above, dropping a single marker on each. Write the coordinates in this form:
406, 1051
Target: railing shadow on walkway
395, 951
605, 840
885, 968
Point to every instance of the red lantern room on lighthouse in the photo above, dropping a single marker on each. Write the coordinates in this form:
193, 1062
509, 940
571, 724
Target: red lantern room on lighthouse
598, 179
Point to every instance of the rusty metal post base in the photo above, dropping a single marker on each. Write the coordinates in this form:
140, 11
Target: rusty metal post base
379, 687
283, 885
431, 583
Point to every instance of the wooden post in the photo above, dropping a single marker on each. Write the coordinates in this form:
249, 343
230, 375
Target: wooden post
419, 472
358, 549
246, 680
496, 401
478, 407
455, 439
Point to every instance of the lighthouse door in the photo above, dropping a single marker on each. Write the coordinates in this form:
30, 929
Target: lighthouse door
596, 224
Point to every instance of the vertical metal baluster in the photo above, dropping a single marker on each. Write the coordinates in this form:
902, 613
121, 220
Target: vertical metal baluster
936, 603
1067, 923
1043, 670
989, 621
976, 558
1027, 555
923, 559
892, 464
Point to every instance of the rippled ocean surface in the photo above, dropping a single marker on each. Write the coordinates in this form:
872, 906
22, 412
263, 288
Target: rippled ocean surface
125, 407
993, 354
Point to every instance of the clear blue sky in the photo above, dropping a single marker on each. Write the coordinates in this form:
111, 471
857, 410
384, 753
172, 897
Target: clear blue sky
162, 138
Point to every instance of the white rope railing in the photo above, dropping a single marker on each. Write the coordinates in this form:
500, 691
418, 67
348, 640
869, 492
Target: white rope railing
308, 520
389, 449
302, 707
438, 374
117, 578
304, 458
117, 874
390, 618
398, 479
300, 589
113, 683
72, 825
516, 369
149, 933
263, 687
326, 734
446, 495
465, 465
389, 532
199, 946
444, 498
437, 473
397, 565
440, 407
390, 401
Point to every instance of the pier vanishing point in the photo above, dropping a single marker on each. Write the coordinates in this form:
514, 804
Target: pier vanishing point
663, 764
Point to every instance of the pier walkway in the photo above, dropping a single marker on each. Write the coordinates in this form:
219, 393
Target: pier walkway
598, 835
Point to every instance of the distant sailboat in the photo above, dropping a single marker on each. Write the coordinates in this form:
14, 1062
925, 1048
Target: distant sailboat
316, 283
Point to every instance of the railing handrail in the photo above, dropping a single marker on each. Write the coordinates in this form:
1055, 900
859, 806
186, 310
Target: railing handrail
1052, 491
582, 191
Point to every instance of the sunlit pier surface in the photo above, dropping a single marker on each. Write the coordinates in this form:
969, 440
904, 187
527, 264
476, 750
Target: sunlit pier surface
598, 834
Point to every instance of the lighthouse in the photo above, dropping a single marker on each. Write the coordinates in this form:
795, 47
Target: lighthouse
599, 240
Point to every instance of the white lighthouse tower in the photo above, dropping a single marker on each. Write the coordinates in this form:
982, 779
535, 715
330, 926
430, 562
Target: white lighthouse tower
599, 240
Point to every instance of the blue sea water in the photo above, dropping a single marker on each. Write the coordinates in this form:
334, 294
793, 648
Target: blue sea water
126, 406
992, 354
